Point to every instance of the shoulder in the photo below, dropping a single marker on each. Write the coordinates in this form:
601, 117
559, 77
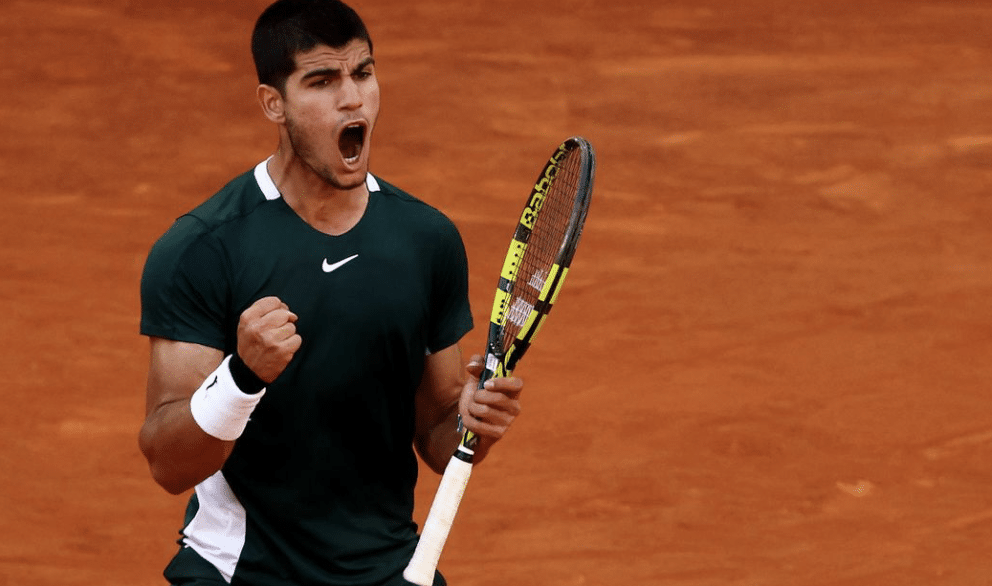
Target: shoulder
236, 200
233, 202
415, 212
197, 233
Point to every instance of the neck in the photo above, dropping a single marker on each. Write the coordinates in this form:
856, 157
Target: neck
323, 206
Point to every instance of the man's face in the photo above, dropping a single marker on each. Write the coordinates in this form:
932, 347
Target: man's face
331, 106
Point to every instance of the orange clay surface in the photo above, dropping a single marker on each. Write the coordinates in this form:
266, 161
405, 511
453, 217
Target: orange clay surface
772, 362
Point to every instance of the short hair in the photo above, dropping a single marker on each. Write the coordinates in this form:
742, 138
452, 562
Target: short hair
289, 27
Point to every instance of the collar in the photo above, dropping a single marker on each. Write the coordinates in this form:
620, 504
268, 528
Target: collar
270, 192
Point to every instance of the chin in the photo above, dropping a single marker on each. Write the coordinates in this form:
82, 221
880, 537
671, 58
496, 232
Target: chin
347, 180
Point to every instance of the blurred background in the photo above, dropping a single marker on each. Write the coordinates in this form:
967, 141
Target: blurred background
770, 364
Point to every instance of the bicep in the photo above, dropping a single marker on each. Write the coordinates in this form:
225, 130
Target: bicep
176, 370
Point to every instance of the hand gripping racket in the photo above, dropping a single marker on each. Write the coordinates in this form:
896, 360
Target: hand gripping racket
535, 267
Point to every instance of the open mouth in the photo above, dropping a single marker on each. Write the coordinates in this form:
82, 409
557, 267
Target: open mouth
351, 141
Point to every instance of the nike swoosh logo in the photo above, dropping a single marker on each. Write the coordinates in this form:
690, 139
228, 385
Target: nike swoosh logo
328, 267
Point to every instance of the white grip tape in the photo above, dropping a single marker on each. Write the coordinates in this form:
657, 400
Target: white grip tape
422, 565
219, 407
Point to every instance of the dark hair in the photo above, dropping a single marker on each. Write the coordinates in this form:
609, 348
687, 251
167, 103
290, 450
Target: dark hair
290, 27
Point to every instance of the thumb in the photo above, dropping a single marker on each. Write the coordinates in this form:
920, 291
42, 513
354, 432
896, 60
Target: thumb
474, 366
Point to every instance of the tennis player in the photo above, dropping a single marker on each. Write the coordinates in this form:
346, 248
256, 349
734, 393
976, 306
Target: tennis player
304, 325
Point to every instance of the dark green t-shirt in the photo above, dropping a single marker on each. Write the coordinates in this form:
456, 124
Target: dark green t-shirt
319, 488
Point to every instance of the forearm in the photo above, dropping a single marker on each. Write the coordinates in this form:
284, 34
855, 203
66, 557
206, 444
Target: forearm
443, 440
436, 446
180, 454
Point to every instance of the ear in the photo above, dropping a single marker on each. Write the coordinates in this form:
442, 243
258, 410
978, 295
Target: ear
273, 105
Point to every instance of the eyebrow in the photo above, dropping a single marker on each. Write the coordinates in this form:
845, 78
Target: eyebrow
331, 72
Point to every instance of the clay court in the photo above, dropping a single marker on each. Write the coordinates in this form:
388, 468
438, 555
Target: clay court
771, 364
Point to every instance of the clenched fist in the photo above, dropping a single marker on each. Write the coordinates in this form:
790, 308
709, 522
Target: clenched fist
267, 338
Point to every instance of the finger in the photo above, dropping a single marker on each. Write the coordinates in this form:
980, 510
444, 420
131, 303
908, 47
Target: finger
282, 333
261, 308
483, 402
484, 405
483, 427
510, 386
265, 305
494, 414
277, 318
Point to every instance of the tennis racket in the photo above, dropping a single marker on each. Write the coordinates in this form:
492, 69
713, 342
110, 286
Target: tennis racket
533, 272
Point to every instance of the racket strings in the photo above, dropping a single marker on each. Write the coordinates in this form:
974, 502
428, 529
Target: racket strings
544, 246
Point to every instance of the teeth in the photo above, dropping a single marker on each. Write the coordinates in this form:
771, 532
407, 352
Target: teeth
351, 141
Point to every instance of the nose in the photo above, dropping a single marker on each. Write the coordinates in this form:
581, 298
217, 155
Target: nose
351, 95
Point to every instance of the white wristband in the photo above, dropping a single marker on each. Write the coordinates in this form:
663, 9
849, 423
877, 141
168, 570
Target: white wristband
219, 407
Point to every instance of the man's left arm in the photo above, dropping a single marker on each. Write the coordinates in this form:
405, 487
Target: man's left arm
449, 388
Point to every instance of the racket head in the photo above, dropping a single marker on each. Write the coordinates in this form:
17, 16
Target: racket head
540, 254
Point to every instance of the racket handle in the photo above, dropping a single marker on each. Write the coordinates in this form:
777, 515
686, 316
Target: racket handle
423, 564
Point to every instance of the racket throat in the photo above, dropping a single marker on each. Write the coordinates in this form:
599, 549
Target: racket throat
466, 447
465, 453
494, 366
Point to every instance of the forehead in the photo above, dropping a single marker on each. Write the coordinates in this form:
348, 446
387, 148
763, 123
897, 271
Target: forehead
322, 56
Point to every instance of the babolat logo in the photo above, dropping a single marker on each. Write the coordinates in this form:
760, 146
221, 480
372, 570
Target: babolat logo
541, 189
